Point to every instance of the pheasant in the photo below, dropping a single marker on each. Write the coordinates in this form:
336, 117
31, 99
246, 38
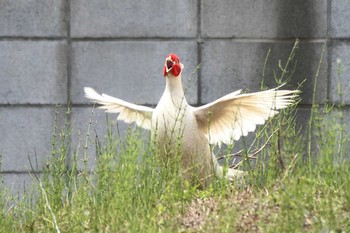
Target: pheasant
176, 124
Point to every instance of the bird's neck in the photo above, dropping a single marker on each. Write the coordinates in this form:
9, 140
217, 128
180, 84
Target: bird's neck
174, 89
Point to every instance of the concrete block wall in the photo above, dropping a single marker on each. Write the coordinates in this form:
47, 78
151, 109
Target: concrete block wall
51, 49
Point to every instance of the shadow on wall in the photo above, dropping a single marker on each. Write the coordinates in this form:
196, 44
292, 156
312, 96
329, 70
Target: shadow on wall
298, 19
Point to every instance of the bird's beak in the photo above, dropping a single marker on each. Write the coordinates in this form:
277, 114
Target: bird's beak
168, 64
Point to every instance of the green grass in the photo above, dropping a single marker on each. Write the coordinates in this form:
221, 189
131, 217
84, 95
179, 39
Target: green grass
299, 183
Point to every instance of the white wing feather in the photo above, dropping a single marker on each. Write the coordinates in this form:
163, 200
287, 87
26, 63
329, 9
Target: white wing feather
128, 112
235, 114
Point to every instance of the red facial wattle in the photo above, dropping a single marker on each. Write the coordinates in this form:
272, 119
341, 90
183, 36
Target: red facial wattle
172, 64
176, 70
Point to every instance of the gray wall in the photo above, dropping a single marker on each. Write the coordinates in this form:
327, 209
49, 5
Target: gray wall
51, 49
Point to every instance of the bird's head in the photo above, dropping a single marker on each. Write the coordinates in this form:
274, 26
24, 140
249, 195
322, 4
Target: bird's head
172, 66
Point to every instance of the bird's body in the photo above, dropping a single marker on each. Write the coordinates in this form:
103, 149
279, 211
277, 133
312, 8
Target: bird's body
176, 132
180, 129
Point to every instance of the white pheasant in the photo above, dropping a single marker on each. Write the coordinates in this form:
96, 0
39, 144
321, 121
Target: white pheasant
173, 119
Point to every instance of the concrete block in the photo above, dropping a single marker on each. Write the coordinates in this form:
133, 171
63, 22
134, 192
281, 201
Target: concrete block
264, 19
99, 126
146, 18
132, 71
340, 73
340, 14
302, 120
84, 144
33, 18
335, 125
16, 184
33, 72
332, 131
229, 65
27, 132
341, 129
345, 123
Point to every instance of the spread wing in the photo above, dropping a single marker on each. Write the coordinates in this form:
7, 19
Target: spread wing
128, 112
235, 114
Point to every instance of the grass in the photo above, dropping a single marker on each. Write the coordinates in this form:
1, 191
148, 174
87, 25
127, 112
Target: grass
300, 182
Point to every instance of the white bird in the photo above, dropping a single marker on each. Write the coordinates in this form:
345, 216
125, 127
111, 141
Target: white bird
177, 127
